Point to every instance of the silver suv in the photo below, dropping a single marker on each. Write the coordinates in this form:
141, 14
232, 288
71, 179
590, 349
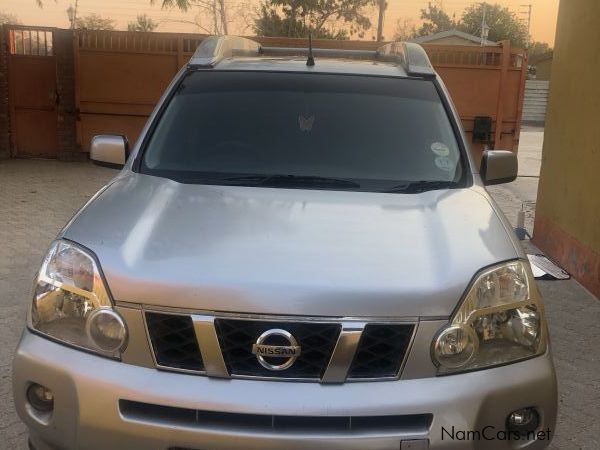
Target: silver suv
298, 253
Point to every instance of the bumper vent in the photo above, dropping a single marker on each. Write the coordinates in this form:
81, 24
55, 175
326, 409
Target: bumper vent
416, 424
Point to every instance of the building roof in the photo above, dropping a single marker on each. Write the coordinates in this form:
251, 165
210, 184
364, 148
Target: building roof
447, 34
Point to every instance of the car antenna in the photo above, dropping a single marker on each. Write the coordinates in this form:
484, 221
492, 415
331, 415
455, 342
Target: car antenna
310, 62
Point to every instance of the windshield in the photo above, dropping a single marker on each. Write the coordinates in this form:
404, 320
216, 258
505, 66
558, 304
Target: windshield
305, 130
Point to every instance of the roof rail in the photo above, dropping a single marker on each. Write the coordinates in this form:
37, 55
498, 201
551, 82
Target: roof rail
215, 48
324, 52
412, 56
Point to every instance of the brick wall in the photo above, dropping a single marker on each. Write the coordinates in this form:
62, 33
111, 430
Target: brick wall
65, 81
4, 111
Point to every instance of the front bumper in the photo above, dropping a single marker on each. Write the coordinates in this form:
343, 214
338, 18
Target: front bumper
88, 388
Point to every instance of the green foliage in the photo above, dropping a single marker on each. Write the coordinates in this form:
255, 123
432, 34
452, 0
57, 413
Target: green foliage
6, 18
340, 19
335, 19
94, 22
183, 5
504, 24
142, 23
435, 20
537, 50
270, 23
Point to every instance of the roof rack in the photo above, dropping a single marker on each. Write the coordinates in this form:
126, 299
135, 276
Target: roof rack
324, 52
215, 48
412, 57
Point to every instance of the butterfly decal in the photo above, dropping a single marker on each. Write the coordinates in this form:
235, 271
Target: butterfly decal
306, 123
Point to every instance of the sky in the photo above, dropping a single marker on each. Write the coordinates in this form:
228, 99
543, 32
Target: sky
543, 20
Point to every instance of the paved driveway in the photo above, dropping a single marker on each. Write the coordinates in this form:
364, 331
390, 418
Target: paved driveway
38, 197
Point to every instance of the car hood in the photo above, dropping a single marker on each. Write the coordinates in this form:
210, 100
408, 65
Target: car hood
290, 251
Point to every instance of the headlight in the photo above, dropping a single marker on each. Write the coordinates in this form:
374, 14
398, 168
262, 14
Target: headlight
501, 320
71, 302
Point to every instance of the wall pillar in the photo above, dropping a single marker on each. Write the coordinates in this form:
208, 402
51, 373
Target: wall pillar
4, 109
65, 82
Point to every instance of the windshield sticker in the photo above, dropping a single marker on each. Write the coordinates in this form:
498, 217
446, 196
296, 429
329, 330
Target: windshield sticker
306, 123
444, 163
440, 149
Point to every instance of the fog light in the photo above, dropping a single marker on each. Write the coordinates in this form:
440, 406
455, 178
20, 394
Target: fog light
106, 329
523, 421
40, 398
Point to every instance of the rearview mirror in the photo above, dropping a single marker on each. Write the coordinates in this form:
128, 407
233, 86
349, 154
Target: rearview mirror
499, 166
109, 150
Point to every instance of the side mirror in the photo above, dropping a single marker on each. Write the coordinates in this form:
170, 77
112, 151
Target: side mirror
499, 166
109, 150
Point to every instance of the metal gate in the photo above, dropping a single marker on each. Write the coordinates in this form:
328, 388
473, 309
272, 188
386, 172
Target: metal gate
120, 76
33, 96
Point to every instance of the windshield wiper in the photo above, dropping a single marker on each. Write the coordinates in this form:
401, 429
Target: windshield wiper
414, 187
291, 180
273, 180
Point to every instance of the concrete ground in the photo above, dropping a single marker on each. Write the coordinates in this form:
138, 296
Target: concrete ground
572, 312
522, 193
38, 197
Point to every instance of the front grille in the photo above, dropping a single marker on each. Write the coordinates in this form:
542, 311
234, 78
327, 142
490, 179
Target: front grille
317, 340
381, 351
265, 423
174, 341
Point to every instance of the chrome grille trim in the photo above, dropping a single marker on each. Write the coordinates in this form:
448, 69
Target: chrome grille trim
282, 317
208, 342
343, 352
337, 368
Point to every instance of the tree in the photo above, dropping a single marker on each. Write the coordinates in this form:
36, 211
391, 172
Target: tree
142, 23
6, 18
405, 30
337, 19
94, 22
271, 23
503, 23
435, 20
538, 49
216, 10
